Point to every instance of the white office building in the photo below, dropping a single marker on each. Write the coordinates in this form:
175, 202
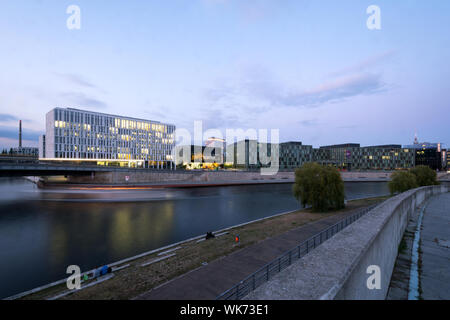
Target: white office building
110, 140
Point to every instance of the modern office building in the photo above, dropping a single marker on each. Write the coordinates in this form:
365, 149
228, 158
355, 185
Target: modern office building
427, 154
351, 156
294, 155
249, 154
110, 140
339, 155
386, 157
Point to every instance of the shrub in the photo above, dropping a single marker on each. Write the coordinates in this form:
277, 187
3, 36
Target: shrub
319, 186
425, 176
402, 181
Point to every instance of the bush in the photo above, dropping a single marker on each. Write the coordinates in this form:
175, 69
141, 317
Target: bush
319, 186
402, 181
425, 176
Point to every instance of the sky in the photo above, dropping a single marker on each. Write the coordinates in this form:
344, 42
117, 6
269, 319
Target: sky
312, 69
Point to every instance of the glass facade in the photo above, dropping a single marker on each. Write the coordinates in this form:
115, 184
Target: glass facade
293, 155
82, 135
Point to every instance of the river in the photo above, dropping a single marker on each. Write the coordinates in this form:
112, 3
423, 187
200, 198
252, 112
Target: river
44, 231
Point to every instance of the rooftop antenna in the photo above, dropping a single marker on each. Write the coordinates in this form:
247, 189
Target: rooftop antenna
416, 141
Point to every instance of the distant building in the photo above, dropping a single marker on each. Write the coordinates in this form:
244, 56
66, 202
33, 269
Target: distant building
199, 157
340, 155
214, 151
350, 156
386, 157
428, 154
42, 146
249, 154
85, 137
294, 155
448, 160
445, 159
25, 152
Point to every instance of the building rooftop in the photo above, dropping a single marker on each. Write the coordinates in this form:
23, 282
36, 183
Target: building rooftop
111, 115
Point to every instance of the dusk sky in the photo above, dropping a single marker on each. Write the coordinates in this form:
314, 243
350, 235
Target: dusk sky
309, 68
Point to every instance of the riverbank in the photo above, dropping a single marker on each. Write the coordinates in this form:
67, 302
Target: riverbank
186, 179
156, 185
154, 177
178, 259
171, 185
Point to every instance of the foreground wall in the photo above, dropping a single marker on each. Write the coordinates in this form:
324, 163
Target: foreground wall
338, 268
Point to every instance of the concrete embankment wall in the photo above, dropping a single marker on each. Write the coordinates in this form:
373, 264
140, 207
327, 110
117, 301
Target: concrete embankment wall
178, 176
136, 176
338, 269
139, 176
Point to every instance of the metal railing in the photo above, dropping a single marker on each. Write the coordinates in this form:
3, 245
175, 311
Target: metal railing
264, 274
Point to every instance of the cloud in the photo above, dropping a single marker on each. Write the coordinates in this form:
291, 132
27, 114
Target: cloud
366, 64
258, 90
76, 79
222, 119
83, 101
7, 117
348, 127
13, 133
308, 123
334, 91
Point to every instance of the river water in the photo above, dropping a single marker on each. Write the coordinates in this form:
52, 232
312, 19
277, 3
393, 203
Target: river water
44, 231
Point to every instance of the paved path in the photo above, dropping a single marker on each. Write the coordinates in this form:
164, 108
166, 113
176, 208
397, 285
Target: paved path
207, 282
435, 246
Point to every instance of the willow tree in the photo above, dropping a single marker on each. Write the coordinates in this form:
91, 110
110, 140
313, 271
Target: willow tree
402, 181
425, 176
319, 186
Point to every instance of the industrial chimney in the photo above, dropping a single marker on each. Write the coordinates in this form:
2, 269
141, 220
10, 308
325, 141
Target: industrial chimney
20, 133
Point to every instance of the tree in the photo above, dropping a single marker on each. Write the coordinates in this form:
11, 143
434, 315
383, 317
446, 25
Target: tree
425, 176
402, 181
319, 186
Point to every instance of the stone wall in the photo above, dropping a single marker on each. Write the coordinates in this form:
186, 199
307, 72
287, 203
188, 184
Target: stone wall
143, 176
337, 269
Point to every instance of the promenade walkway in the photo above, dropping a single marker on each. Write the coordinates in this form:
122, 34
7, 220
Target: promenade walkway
435, 247
207, 282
